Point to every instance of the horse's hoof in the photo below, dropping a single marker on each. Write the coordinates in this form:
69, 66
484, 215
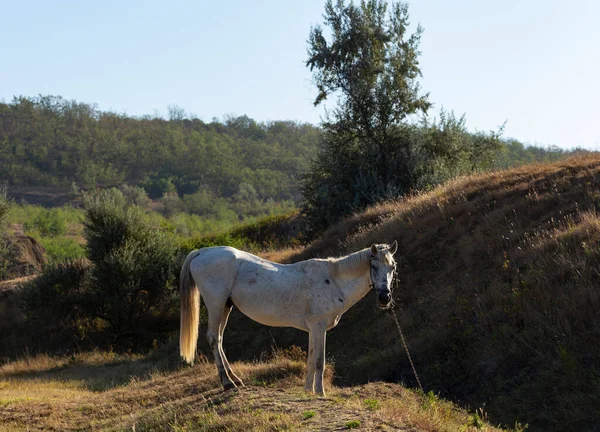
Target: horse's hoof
229, 386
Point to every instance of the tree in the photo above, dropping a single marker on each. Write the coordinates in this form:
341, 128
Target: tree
370, 65
369, 150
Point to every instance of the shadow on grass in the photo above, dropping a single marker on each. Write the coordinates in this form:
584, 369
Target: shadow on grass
96, 371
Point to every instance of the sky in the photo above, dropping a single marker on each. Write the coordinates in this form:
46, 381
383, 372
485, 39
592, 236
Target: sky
532, 63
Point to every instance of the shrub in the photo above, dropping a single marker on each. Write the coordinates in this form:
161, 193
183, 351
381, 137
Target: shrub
109, 223
58, 296
48, 222
135, 195
159, 186
134, 265
132, 283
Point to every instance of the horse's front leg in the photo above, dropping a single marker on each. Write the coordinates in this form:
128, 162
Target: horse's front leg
309, 386
319, 348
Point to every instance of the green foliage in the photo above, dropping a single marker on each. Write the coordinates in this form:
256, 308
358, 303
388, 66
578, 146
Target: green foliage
372, 404
274, 231
58, 297
370, 64
344, 179
126, 281
353, 424
159, 186
48, 222
206, 203
61, 248
308, 415
369, 152
133, 264
513, 153
5, 207
132, 283
225, 239
50, 141
109, 223
135, 195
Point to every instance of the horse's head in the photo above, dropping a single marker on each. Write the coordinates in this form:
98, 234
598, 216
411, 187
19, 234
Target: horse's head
383, 268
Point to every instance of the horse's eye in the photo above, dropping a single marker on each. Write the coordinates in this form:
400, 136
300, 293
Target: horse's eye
373, 267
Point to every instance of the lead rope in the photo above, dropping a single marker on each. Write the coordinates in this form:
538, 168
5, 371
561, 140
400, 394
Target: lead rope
406, 349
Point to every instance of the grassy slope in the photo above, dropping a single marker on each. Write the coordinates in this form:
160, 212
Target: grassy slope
103, 391
499, 295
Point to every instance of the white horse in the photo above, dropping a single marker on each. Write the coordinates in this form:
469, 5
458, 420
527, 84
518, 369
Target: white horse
309, 295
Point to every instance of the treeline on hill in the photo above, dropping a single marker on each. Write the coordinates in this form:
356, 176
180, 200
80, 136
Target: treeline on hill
50, 141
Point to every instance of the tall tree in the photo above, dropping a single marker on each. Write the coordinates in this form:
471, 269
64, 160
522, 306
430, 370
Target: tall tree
370, 65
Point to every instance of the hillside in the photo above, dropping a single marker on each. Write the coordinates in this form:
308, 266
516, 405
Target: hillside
103, 391
51, 141
498, 295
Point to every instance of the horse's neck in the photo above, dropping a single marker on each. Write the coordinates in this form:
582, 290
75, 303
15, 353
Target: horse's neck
353, 278
355, 288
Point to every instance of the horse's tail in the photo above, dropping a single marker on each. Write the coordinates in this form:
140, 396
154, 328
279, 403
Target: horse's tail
190, 311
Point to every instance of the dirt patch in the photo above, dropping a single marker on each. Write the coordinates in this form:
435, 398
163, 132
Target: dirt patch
26, 257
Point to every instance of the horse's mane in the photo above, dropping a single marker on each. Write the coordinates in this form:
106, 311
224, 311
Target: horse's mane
356, 261
350, 263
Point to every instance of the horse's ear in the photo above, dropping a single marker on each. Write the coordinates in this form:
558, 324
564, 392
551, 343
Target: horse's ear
394, 247
374, 250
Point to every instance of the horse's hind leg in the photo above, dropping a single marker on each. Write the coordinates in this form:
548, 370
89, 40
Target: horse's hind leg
213, 336
224, 317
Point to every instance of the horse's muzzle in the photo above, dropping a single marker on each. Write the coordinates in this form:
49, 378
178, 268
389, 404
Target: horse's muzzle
385, 298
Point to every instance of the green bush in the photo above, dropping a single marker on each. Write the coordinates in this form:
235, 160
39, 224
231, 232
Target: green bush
58, 296
134, 265
124, 286
48, 222
135, 195
156, 187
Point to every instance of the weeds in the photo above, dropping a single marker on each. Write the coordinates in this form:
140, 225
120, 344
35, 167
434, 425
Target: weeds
372, 404
308, 415
353, 424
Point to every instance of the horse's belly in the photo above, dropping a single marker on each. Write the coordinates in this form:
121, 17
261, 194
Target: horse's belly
272, 312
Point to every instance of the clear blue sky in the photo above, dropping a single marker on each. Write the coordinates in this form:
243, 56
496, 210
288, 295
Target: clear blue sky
534, 63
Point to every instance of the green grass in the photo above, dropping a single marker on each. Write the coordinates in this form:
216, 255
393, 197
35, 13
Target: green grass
61, 248
372, 404
307, 415
353, 424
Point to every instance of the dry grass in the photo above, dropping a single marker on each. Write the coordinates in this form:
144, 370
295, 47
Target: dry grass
499, 299
45, 393
499, 289
499, 295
